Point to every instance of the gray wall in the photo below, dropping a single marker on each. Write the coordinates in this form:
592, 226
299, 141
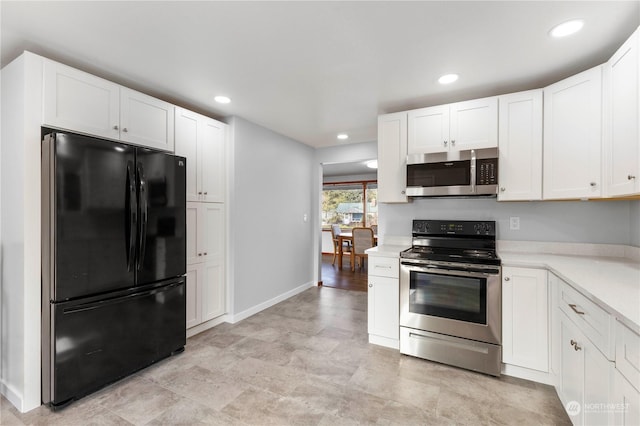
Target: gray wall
270, 244
605, 222
634, 226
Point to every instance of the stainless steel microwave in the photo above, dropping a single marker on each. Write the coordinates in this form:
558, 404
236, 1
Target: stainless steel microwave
472, 173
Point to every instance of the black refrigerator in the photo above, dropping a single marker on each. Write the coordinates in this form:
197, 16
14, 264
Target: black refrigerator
113, 262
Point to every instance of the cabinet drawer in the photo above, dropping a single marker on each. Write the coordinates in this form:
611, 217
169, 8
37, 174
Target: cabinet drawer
592, 320
384, 266
628, 354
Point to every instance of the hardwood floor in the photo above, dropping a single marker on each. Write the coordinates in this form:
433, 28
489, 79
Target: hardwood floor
332, 276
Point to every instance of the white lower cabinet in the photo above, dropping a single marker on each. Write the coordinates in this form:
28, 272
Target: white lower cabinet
525, 337
194, 294
384, 301
626, 382
626, 401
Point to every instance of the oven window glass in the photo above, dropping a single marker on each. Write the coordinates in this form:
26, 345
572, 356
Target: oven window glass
449, 173
449, 296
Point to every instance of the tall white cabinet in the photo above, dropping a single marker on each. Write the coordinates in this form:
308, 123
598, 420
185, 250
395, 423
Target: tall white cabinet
202, 141
392, 158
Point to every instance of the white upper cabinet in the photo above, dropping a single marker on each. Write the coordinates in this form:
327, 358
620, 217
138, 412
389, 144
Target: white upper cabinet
454, 127
520, 143
572, 137
80, 102
202, 140
392, 158
145, 120
622, 114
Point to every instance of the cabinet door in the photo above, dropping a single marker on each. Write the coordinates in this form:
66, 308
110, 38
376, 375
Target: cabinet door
474, 124
146, 121
428, 130
186, 142
626, 400
598, 376
572, 371
572, 137
384, 309
392, 158
80, 102
520, 142
525, 318
554, 329
195, 233
213, 232
194, 294
212, 153
622, 116
213, 290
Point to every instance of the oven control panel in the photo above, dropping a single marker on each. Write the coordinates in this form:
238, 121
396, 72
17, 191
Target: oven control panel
455, 227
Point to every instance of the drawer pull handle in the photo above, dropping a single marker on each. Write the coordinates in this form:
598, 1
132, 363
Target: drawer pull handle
575, 309
383, 267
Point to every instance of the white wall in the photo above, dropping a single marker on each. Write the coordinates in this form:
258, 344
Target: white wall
271, 245
605, 222
634, 223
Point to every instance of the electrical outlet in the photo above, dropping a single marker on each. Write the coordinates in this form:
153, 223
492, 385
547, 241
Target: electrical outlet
514, 223
305, 217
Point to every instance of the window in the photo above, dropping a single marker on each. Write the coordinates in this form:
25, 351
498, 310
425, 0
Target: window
350, 204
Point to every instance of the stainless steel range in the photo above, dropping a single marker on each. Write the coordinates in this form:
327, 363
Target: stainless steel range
450, 295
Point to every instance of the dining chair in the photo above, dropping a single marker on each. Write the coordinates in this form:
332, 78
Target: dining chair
362, 240
346, 245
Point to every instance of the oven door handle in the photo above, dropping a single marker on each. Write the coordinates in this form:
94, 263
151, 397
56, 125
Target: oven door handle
439, 269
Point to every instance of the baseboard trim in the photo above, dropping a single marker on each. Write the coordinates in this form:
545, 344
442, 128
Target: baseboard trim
12, 396
384, 341
206, 325
527, 374
269, 303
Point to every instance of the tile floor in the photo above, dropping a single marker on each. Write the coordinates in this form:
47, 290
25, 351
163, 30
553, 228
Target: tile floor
305, 361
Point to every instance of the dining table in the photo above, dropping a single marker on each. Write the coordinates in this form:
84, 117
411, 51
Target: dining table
348, 236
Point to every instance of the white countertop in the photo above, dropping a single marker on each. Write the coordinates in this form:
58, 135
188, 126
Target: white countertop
611, 282
387, 250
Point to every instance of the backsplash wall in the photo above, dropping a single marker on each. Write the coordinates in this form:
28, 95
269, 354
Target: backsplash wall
603, 222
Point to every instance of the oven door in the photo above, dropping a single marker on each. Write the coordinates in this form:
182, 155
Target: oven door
461, 303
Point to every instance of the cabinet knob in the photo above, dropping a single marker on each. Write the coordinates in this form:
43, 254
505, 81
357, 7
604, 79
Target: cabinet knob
199, 254
199, 192
507, 278
593, 184
453, 143
630, 177
370, 285
403, 192
125, 130
115, 127
445, 143
205, 254
205, 193
502, 189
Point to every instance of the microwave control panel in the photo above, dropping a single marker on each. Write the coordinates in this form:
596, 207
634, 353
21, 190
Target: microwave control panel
487, 171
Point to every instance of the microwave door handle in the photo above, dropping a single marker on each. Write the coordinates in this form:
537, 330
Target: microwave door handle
473, 171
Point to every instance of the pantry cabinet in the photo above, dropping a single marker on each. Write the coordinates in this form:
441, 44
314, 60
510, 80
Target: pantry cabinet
384, 301
202, 141
525, 313
622, 116
520, 146
80, 102
453, 127
573, 137
206, 294
392, 158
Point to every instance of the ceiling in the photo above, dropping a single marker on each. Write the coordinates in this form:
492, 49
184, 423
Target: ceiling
348, 169
310, 70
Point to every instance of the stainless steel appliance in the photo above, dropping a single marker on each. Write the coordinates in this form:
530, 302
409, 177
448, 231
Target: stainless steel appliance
469, 173
113, 262
450, 295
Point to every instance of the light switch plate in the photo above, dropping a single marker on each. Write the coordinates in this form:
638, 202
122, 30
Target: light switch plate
514, 223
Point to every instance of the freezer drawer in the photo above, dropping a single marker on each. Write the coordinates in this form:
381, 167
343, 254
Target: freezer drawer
96, 342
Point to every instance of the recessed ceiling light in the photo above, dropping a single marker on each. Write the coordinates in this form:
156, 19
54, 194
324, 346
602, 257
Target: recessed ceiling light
222, 99
567, 28
448, 78
373, 164
343, 136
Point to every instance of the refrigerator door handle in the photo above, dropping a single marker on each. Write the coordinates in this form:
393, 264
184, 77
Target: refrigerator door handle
132, 211
144, 210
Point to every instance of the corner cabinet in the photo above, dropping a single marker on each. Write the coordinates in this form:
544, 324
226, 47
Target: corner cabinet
80, 102
202, 141
626, 381
573, 137
525, 313
392, 158
520, 146
622, 117
453, 127
384, 301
